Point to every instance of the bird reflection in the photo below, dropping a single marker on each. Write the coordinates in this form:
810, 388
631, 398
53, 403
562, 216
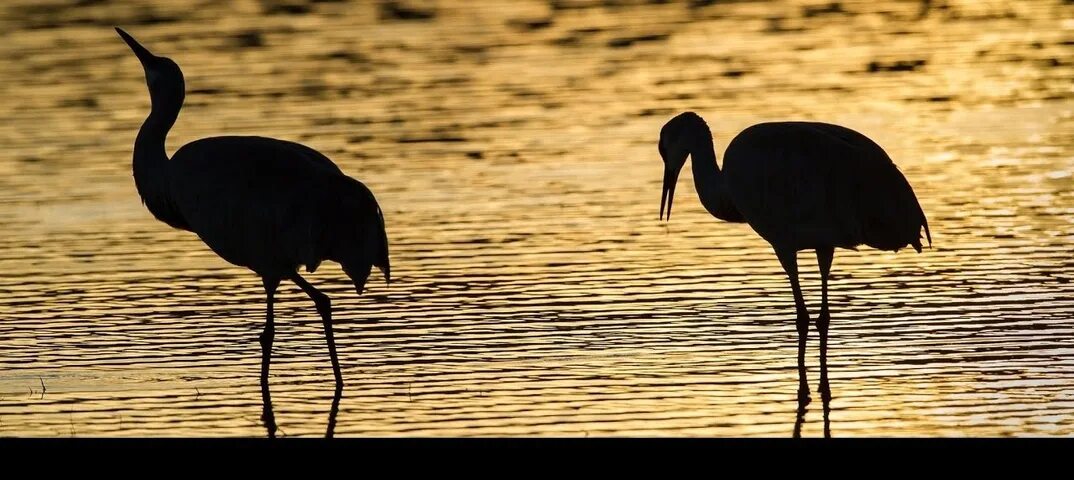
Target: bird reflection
331, 430
826, 398
269, 417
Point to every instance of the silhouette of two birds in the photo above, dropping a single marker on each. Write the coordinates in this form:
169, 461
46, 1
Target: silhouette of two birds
272, 205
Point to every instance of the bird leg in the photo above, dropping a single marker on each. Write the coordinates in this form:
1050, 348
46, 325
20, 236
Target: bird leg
788, 258
324, 307
824, 261
266, 338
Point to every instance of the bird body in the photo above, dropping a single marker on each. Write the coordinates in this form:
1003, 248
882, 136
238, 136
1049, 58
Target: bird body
805, 185
265, 204
800, 186
271, 205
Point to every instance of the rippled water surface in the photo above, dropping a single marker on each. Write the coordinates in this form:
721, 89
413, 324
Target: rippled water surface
512, 146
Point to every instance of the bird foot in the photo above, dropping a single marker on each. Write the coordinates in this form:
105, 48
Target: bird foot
803, 397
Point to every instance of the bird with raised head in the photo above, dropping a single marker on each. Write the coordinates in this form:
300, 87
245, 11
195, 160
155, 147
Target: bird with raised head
265, 204
800, 186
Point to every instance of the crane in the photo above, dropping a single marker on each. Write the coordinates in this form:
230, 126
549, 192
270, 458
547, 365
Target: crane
800, 186
265, 204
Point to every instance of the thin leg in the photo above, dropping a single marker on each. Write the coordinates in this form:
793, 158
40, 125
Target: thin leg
824, 260
266, 354
324, 307
789, 260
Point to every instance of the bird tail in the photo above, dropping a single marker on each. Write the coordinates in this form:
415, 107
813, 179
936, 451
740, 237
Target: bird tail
916, 242
892, 215
383, 263
361, 245
925, 223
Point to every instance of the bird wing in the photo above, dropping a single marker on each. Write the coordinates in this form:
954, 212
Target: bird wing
267, 204
811, 184
889, 215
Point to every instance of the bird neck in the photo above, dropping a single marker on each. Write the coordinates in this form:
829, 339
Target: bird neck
150, 157
709, 181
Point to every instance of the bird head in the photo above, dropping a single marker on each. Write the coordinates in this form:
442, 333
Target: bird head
674, 146
162, 75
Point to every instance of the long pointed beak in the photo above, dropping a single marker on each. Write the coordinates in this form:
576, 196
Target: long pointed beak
671, 177
143, 54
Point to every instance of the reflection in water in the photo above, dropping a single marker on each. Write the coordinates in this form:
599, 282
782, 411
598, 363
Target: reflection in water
827, 415
330, 431
268, 416
800, 415
511, 145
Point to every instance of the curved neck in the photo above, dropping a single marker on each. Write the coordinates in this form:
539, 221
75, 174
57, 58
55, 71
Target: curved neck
709, 180
150, 157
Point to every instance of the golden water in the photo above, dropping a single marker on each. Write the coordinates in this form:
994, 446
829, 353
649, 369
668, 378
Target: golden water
512, 146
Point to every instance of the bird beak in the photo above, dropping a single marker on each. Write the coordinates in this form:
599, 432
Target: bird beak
671, 177
141, 52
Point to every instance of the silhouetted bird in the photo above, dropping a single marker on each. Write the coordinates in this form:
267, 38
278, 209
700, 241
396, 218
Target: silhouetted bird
265, 204
800, 186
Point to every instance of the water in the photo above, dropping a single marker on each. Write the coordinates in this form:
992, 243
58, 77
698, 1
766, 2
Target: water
512, 146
